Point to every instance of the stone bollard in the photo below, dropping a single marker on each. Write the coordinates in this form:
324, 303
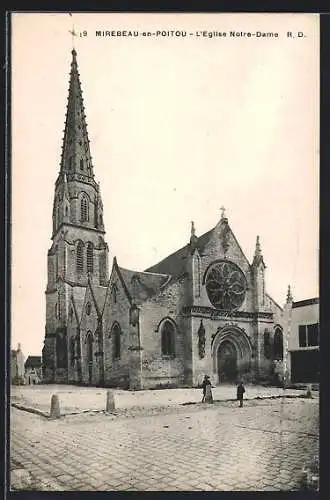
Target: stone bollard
309, 391
110, 401
55, 411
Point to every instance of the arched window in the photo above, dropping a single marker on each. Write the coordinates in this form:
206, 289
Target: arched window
61, 350
114, 293
168, 339
84, 209
81, 164
90, 262
56, 310
115, 334
89, 342
80, 257
267, 345
278, 344
66, 211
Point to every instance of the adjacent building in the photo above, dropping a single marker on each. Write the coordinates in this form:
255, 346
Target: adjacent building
303, 340
33, 370
17, 366
203, 309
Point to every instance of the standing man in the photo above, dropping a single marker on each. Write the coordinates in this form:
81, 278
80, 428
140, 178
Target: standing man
240, 393
206, 382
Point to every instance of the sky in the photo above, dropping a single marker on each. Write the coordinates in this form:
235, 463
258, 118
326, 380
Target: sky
178, 127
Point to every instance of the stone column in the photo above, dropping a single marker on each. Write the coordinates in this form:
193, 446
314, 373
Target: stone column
135, 350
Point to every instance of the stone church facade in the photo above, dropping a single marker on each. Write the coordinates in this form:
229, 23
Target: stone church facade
202, 310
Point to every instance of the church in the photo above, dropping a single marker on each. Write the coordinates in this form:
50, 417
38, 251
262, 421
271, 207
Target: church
204, 309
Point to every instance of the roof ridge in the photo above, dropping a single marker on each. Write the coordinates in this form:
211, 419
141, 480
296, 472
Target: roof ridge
165, 275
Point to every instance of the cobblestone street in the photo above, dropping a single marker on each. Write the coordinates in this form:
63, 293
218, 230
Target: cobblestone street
262, 446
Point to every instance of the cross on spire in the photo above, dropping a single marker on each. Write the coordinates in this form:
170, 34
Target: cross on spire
72, 32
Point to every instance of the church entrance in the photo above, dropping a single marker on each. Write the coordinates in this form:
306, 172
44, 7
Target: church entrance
227, 362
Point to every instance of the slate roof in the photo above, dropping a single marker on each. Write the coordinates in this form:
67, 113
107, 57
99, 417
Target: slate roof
142, 285
305, 302
175, 264
33, 362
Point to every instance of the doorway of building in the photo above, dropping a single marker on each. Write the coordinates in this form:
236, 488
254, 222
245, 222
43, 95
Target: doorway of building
227, 362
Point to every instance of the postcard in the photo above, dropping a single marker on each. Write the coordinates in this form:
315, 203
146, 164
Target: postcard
165, 302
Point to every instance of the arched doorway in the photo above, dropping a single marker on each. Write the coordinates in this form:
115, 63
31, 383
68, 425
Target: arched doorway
232, 354
227, 362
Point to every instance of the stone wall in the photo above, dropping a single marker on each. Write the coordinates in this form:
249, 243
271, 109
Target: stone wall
160, 370
116, 311
90, 325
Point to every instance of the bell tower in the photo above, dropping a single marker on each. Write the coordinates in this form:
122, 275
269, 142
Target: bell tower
78, 251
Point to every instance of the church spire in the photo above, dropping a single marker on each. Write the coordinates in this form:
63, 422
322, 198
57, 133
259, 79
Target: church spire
76, 159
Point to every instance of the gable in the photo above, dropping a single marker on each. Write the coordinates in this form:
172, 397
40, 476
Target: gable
85, 315
116, 280
98, 293
137, 286
222, 244
77, 301
142, 285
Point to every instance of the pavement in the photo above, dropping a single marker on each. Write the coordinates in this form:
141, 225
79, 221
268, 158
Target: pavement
74, 399
200, 447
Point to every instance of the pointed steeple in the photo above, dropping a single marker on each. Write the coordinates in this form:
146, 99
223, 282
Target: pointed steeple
289, 297
193, 237
258, 248
258, 258
76, 160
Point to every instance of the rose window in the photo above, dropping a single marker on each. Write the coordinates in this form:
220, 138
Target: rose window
225, 285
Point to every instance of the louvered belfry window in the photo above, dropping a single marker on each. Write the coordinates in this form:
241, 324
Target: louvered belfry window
90, 258
84, 209
80, 257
